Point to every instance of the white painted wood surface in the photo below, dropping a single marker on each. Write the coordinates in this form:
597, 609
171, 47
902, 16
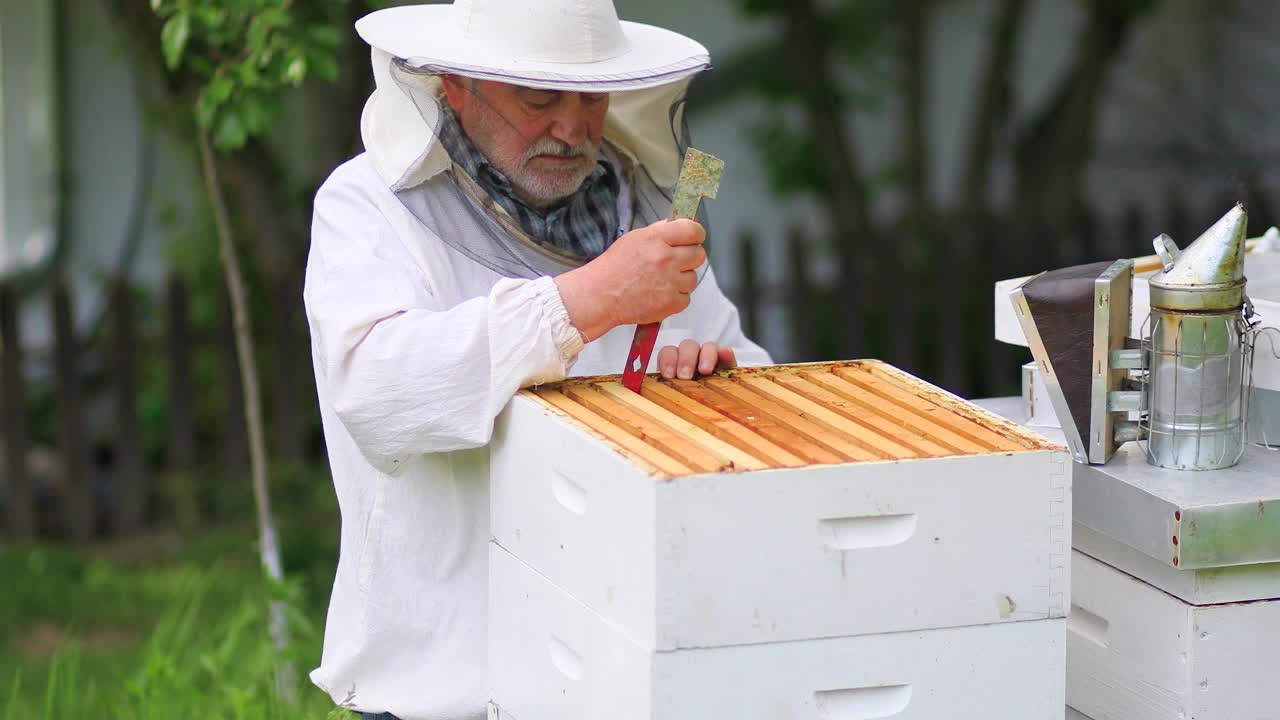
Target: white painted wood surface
775, 555
496, 713
1037, 405
552, 658
1135, 652
1223, 518
1205, 586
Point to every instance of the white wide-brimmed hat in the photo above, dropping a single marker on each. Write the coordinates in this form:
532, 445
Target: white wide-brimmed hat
550, 44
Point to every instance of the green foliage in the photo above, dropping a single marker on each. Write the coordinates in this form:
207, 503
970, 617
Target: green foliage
199, 661
856, 27
790, 156
241, 53
168, 626
860, 34
223, 669
858, 31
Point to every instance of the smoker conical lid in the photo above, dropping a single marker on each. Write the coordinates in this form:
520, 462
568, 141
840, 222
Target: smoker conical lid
1215, 258
1209, 274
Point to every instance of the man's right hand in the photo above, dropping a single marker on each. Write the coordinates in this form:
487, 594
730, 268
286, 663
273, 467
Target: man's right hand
645, 276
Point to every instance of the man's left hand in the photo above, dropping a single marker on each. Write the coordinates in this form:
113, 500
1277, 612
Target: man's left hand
690, 358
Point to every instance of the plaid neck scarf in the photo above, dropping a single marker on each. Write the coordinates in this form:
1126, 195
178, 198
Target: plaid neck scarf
583, 224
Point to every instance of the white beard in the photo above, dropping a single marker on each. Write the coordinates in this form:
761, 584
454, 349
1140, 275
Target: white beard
537, 188
544, 188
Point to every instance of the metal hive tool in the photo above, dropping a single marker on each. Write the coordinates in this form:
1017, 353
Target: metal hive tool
699, 178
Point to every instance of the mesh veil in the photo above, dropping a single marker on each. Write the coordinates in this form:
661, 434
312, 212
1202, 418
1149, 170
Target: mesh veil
455, 209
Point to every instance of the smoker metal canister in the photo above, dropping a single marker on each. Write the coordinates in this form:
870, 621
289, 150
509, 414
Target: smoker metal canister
1198, 353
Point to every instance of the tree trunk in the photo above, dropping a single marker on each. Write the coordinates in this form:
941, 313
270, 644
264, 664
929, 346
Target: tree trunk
131, 489
959, 255
181, 457
78, 505
21, 506
914, 156
269, 548
995, 98
847, 201
913, 243
1050, 157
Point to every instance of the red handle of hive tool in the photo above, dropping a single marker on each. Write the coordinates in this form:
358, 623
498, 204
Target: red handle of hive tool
638, 357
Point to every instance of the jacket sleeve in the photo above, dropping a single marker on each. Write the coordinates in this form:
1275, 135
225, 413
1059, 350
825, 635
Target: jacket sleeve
404, 374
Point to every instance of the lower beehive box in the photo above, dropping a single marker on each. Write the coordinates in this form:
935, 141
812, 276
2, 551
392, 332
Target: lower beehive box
1198, 586
1135, 652
553, 658
781, 504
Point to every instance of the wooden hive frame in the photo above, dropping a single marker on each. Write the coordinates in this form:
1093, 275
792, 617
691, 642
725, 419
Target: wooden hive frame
782, 416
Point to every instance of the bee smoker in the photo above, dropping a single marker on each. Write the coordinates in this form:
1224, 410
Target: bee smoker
1182, 388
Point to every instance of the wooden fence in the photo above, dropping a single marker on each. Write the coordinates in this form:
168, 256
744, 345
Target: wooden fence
95, 474
934, 316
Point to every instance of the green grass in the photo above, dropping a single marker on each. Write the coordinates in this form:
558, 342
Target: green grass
167, 625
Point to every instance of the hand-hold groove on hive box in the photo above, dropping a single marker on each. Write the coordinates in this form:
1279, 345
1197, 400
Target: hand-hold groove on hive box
784, 416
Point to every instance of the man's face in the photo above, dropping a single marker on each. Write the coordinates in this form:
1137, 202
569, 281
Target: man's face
545, 141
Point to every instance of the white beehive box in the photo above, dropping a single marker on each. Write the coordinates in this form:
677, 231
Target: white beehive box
1135, 652
552, 658
785, 504
1204, 537
1200, 586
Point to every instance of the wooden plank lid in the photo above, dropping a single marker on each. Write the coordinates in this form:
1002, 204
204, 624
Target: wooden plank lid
784, 416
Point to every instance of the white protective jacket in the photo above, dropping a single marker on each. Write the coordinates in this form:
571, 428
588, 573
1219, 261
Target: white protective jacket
416, 350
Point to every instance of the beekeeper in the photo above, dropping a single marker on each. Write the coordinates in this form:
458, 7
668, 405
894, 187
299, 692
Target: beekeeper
504, 227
